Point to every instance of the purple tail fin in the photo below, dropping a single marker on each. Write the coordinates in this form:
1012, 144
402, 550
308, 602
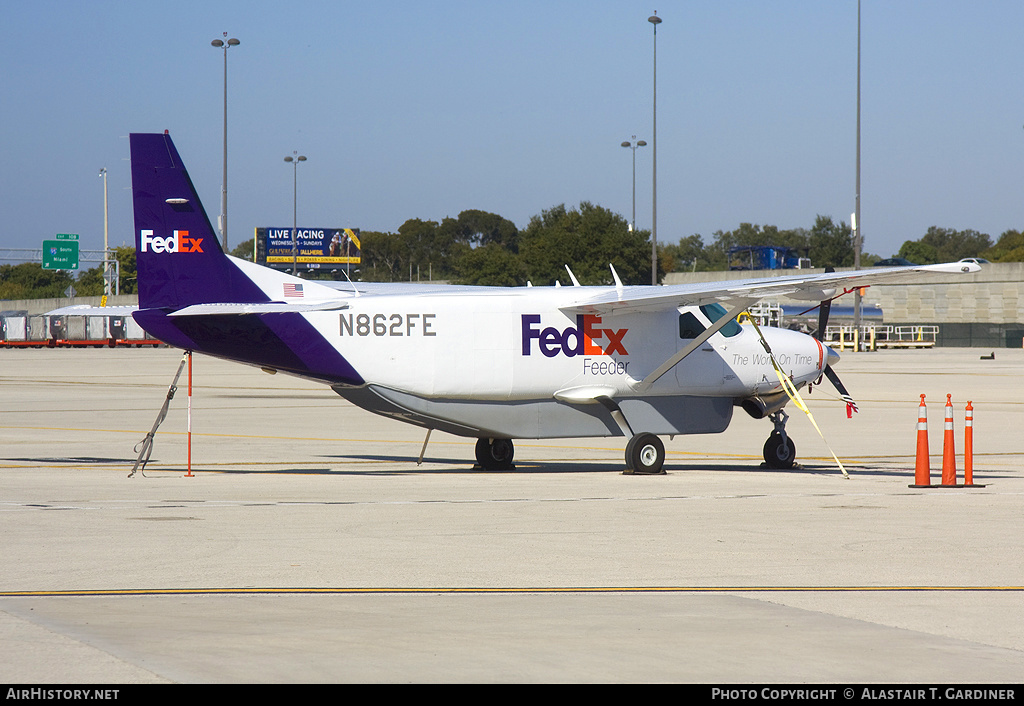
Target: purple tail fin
179, 259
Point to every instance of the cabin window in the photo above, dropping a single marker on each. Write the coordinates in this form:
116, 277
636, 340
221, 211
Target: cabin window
690, 326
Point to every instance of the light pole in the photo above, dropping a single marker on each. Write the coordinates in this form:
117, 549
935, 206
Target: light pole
106, 235
295, 206
655, 20
224, 181
857, 241
633, 144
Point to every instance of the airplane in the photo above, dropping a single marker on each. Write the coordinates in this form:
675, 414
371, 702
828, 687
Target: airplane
492, 363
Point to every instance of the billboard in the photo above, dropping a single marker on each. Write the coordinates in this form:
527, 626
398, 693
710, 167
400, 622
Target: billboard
317, 248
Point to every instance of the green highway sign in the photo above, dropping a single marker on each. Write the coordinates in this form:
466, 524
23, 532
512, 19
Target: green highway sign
67, 236
60, 254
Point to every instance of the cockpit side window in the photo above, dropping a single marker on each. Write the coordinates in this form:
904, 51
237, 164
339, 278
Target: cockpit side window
716, 311
690, 326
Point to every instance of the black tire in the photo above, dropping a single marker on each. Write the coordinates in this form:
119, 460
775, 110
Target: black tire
777, 454
645, 454
495, 454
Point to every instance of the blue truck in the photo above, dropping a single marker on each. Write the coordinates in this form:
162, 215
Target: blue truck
766, 257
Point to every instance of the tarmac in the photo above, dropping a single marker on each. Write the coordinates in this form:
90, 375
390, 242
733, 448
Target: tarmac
309, 546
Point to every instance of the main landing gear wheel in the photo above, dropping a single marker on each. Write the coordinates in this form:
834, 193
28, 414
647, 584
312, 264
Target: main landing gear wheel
495, 454
645, 455
779, 451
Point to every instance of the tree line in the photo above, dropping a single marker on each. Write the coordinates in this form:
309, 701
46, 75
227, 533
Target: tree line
485, 249
482, 248
826, 243
948, 245
29, 280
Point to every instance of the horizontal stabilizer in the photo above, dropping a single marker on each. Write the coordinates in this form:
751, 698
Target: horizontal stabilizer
231, 308
86, 310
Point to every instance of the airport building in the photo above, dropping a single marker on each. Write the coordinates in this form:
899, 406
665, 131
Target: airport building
985, 309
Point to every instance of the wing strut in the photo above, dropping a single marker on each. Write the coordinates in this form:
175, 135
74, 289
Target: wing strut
620, 419
644, 384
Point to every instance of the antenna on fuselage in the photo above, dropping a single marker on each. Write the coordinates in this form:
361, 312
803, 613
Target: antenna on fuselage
354, 290
615, 276
575, 282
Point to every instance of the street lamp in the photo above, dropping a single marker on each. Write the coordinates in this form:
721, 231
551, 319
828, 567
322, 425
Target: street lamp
218, 43
106, 235
633, 144
295, 205
857, 241
655, 20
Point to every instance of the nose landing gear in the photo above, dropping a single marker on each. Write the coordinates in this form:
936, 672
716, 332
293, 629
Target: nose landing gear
779, 449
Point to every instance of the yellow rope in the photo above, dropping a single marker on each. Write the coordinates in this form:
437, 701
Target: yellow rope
794, 395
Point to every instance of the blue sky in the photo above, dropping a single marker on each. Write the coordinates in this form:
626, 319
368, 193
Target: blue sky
422, 110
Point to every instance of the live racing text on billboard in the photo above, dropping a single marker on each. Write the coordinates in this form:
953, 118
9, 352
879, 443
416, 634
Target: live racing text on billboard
316, 248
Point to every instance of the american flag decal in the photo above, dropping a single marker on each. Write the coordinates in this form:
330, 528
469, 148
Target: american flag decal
292, 290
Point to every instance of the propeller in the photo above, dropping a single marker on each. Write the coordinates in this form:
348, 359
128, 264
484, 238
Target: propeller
823, 311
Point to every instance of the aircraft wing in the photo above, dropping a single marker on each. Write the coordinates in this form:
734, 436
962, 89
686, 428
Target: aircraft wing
810, 287
805, 287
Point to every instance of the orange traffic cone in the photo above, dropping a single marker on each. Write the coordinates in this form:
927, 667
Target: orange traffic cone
948, 452
922, 469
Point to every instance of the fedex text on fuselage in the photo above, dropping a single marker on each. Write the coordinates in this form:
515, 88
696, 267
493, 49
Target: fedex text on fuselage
572, 341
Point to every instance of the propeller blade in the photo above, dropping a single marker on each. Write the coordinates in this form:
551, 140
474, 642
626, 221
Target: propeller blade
823, 311
841, 389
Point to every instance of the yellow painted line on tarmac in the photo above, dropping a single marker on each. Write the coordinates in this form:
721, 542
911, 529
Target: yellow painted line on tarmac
510, 590
171, 432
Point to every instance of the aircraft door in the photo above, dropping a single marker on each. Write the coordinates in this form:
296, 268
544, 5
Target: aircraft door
702, 372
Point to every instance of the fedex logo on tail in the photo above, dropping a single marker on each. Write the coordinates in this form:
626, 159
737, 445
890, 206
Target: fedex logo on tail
573, 340
178, 242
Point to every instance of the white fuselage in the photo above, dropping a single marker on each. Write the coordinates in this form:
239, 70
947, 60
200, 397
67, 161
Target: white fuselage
515, 344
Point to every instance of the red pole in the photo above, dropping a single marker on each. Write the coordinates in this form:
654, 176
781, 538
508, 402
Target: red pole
922, 469
189, 474
948, 451
969, 444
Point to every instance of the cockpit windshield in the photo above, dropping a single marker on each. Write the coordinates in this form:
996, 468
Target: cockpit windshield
716, 311
691, 327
